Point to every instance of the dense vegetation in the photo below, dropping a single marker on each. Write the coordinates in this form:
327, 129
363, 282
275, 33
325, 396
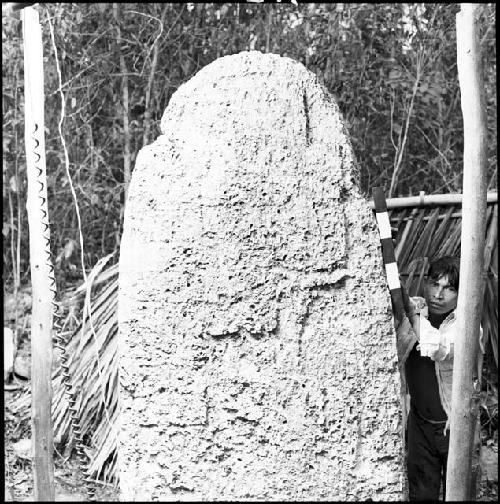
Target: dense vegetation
391, 67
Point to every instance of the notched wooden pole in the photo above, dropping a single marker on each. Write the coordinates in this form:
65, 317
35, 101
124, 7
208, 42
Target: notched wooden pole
466, 387
41, 322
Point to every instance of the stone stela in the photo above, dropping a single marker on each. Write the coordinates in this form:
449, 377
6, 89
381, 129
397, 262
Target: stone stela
257, 349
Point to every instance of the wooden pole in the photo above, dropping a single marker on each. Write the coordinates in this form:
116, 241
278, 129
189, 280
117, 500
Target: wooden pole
466, 386
430, 200
41, 318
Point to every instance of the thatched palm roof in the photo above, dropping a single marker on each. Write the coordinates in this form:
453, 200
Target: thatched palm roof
426, 229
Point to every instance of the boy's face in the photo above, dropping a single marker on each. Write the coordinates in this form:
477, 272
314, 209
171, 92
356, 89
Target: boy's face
441, 297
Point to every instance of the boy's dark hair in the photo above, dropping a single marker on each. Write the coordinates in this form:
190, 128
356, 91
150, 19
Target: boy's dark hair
445, 265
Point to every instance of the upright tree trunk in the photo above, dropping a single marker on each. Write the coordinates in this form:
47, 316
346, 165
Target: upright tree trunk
41, 322
466, 386
125, 108
154, 64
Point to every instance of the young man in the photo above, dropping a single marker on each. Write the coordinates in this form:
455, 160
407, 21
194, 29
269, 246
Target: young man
426, 353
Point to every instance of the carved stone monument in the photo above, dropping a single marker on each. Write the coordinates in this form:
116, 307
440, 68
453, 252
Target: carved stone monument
258, 356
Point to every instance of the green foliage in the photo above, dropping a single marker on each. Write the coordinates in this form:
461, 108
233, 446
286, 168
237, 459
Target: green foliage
391, 67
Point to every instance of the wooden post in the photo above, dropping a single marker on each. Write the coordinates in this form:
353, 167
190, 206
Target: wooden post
431, 200
466, 386
41, 318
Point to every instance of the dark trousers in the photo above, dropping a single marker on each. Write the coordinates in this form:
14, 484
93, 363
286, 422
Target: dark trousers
426, 458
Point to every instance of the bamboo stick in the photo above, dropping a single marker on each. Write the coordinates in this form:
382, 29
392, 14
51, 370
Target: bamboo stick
466, 386
431, 199
454, 215
41, 322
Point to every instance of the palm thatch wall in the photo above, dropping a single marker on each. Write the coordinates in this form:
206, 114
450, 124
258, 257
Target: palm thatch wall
423, 232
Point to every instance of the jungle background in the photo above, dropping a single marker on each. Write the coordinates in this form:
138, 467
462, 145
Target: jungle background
391, 68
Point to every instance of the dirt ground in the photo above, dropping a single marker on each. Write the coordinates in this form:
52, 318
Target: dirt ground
19, 468
67, 475
69, 478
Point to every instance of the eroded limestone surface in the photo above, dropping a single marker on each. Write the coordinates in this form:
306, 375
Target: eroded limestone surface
258, 355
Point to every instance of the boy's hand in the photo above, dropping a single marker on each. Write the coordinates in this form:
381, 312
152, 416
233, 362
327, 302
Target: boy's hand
412, 315
406, 302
